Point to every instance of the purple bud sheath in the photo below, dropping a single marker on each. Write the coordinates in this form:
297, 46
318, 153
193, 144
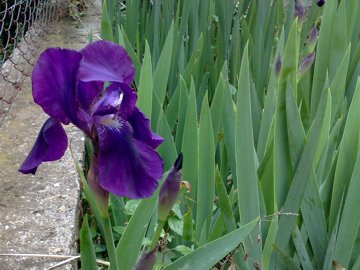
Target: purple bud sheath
300, 10
306, 63
146, 261
278, 66
69, 86
170, 189
313, 34
320, 3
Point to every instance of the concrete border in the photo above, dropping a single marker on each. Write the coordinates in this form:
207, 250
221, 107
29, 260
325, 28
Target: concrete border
39, 214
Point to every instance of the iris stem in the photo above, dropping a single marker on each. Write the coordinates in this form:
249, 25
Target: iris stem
101, 216
89, 196
156, 236
109, 240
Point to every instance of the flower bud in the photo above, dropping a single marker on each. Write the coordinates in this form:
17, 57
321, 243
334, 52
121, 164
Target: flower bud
320, 3
170, 189
278, 66
313, 34
146, 261
313, 38
306, 63
300, 10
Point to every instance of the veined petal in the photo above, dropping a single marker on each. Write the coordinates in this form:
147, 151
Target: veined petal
109, 102
117, 101
54, 83
87, 93
128, 102
141, 127
50, 145
106, 62
127, 167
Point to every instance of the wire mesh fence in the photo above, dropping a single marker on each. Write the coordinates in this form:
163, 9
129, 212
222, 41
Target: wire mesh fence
23, 24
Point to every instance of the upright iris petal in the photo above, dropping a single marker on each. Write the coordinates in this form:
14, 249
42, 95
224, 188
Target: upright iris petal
109, 102
127, 105
107, 62
50, 145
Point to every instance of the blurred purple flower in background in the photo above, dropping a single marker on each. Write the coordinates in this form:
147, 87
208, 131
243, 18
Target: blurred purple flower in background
314, 32
91, 89
306, 63
278, 66
300, 10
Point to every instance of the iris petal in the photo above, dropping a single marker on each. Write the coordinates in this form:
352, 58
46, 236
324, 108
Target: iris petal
127, 167
54, 83
106, 62
118, 99
50, 145
141, 127
109, 102
87, 93
127, 105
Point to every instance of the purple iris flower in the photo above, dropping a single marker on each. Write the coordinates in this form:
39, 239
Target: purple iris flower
91, 89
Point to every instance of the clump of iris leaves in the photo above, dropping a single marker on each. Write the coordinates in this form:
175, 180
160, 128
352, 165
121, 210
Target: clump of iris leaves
262, 98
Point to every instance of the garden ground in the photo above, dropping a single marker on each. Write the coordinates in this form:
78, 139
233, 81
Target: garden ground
38, 214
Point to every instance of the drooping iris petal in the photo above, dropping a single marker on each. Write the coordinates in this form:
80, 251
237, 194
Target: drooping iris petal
106, 62
50, 145
156, 140
127, 167
141, 128
54, 83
